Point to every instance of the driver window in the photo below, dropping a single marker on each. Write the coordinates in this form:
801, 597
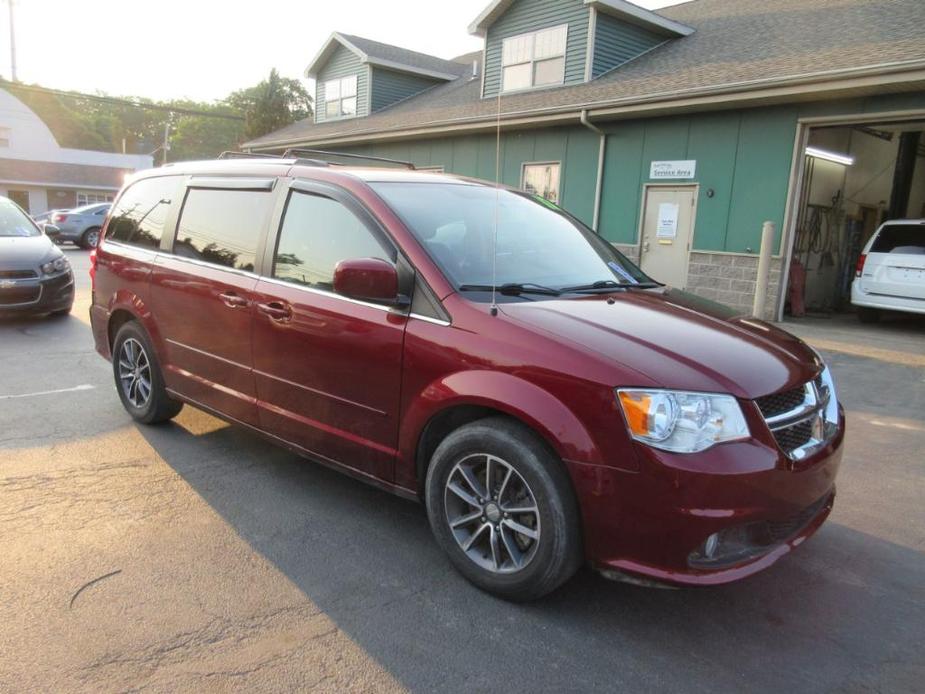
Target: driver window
316, 234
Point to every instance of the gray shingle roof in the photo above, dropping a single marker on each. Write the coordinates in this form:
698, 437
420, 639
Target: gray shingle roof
736, 44
56, 173
402, 56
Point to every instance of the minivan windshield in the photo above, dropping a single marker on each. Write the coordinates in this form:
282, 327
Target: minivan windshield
540, 248
15, 222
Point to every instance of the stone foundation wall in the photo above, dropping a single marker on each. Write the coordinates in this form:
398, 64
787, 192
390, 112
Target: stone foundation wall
730, 279
725, 277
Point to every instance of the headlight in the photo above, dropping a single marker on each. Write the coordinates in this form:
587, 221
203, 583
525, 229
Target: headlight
53, 267
682, 422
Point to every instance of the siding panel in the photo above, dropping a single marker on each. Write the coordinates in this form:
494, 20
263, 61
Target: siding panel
531, 15
343, 63
389, 86
616, 42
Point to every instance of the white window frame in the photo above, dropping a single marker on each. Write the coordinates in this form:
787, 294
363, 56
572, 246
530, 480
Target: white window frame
341, 97
87, 198
523, 178
531, 60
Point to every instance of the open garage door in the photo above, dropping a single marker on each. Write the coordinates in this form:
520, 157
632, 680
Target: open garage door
855, 178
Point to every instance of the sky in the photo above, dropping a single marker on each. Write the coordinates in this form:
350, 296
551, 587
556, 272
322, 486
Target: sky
204, 49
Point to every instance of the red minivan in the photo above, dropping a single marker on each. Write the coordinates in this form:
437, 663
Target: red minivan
479, 349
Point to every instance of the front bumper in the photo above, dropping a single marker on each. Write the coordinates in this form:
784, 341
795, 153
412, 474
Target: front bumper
654, 523
39, 295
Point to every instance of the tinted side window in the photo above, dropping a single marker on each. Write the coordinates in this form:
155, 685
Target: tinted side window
222, 226
317, 233
900, 238
138, 218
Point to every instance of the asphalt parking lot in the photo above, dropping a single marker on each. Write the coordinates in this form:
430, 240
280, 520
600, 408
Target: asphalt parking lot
194, 556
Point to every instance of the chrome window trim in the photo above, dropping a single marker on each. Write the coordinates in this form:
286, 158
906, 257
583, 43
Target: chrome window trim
333, 295
204, 263
428, 319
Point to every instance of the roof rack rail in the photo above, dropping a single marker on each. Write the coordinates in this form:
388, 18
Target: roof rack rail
230, 154
315, 152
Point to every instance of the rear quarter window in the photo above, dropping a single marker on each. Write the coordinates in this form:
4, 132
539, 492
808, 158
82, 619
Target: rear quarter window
139, 216
900, 238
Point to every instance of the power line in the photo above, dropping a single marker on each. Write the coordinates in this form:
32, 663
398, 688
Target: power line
120, 102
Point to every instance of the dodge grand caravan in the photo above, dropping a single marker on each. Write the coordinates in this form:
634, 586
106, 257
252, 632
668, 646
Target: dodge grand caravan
476, 348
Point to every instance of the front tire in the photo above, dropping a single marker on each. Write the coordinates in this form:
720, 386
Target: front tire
501, 506
138, 377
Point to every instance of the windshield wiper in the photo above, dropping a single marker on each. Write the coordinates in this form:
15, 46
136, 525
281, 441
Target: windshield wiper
512, 288
610, 285
600, 284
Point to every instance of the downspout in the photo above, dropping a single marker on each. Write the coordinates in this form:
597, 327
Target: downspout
598, 188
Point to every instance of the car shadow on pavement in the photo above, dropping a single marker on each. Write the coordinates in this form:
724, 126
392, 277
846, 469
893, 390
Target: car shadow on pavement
845, 612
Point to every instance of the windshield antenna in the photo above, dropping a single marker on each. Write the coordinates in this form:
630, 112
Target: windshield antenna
494, 243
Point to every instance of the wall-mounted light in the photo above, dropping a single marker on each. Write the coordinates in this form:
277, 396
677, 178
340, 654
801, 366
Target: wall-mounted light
830, 156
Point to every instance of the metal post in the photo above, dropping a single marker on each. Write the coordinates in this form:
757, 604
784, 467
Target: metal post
166, 141
12, 45
764, 269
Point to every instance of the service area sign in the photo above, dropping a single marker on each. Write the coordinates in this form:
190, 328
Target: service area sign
662, 170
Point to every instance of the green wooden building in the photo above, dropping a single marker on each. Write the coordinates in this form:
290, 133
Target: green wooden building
674, 134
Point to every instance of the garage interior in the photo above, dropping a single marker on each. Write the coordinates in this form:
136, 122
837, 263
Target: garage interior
854, 178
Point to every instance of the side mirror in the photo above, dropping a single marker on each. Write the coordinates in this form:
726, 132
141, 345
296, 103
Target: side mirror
367, 279
51, 230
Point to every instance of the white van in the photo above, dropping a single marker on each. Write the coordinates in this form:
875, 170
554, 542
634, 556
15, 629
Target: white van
890, 273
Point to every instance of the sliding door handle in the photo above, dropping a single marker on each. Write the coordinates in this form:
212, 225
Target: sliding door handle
277, 310
232, 300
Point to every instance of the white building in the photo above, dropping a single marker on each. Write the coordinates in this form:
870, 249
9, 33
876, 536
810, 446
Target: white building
40, 175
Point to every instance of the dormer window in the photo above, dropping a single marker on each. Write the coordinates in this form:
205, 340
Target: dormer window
532, 60
340, 97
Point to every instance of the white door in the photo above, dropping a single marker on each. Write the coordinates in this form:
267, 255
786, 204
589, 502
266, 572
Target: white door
667, 229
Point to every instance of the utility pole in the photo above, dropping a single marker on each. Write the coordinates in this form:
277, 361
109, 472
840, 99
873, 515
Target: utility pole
12, 44
166, 140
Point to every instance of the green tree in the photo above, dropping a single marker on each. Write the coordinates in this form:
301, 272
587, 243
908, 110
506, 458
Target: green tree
272, 104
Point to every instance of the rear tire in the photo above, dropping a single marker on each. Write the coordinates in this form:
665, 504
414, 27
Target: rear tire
486, 526
90, 238
138, 377
868, 315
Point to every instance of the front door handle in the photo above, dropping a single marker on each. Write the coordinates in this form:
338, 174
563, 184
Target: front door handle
645, 247
232, 300
277, 310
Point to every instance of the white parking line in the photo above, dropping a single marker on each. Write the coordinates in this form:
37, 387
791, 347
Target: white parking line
897, 425
85, 386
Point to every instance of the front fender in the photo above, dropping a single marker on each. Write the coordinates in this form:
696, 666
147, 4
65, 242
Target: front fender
525, 401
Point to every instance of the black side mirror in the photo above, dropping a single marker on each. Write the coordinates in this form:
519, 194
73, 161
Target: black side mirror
51, 231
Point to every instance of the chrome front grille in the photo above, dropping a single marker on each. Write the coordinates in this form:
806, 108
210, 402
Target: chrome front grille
800, 419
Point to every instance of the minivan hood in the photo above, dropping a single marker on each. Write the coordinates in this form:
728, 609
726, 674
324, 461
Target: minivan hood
677, 339
17, 252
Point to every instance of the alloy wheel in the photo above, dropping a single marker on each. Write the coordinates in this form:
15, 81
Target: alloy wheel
134, 373
492, 513
93, 238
